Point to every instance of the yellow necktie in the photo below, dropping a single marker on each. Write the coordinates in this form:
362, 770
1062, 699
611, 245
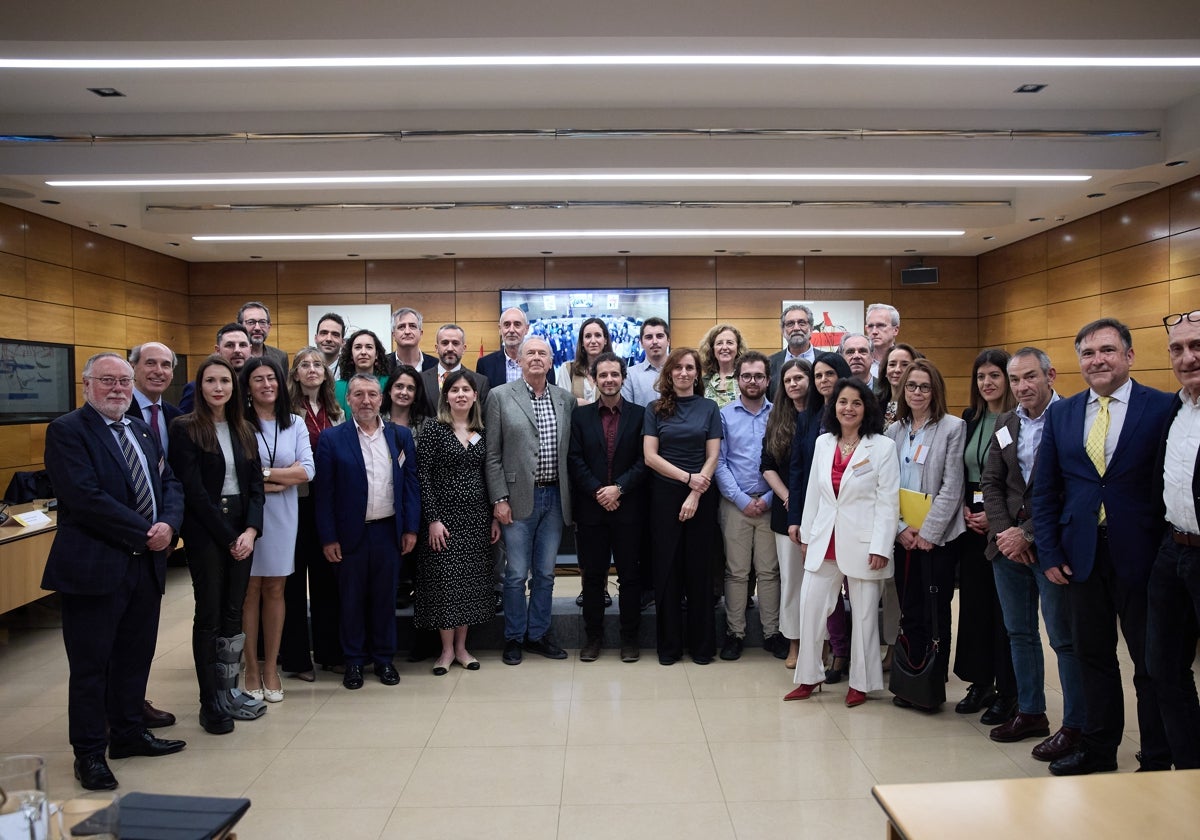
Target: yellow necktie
1094, 445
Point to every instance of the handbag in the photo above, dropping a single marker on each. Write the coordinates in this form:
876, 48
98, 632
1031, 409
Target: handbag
915, 675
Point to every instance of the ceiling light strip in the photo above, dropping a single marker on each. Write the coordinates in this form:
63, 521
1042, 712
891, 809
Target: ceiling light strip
569, 234
691, 204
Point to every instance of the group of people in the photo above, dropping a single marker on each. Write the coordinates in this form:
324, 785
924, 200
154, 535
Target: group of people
791, 478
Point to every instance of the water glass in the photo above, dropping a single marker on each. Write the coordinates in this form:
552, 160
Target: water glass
24, 814
99, 809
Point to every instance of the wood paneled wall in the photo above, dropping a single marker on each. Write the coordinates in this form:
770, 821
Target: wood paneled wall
64, 284
1136, 262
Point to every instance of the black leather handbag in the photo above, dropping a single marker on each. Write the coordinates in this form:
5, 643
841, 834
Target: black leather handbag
915, 675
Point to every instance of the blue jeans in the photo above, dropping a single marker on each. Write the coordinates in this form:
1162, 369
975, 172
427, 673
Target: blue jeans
531, 545
1020, 588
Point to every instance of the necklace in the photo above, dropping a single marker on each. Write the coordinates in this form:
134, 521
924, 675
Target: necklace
914, 430
848, 446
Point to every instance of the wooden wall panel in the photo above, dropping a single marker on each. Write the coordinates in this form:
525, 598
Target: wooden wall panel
12, 232
158, 271
347, 277
98, 292
587, 273
1026, 256
14, 318
933, 302
1064, 319
1185, 294
1074, 280
1136, 266
782, 275
51, 319
494, 275
1185, 253
1185, 206
140, 301
1144, 306
672, 272
1138, 220
400, 277
1021, 293
49, 282
97, 254
243, 280
47, 240
12, 274
1074, 241
848, 273
100, 329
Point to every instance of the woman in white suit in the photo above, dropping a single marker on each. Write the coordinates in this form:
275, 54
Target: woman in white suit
848, 529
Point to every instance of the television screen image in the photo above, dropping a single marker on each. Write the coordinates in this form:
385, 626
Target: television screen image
556, 315
37, 381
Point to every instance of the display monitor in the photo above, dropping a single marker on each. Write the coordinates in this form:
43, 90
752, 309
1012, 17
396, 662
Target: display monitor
37, 381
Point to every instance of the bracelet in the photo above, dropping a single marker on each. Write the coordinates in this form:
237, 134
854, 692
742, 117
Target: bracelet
689, 480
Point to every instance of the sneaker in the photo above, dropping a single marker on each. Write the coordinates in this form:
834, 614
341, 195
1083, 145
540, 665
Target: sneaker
512, 652
590, 652
545, 647
776, 645
732, 649
630, 652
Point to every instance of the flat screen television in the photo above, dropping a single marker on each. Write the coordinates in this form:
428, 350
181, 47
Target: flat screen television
556, 314
37, 381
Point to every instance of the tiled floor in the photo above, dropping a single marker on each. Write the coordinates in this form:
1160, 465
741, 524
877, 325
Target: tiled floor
544, 750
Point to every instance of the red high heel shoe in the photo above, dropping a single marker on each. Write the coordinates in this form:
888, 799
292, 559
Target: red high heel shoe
803, 691
854, 697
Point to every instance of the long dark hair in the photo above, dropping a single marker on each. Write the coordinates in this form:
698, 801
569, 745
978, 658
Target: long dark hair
667, 400
346, 367
872, 422
883, 388
581, 366
199, 423
474, 415
420, 401
282, 408
325, 392
781, 422
999, 358
816, 402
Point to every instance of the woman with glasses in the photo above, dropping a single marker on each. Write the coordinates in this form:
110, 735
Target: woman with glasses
720, 349
929, 445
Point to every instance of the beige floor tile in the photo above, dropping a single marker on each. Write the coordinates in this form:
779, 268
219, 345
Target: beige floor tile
505, 723
227, 772
750, 676
634, 722
790, 770
339, 823
405, 722
639, 773
17, 725
878, 718
641, 680
936, 758
765, 719
657, 821
274, 730
492, 775
299, 778
470, 822
536, 678
835, 819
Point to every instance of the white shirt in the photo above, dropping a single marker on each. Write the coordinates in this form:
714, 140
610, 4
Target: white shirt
144, 403
378, 461
1118, 407
1183, 441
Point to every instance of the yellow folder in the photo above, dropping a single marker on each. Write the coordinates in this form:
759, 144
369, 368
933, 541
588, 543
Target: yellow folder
914, 507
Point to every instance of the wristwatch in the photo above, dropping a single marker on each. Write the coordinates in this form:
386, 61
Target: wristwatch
1028, 536
266, 473
620, 489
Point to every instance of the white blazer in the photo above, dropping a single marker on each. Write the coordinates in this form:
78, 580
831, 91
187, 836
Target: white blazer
862, 518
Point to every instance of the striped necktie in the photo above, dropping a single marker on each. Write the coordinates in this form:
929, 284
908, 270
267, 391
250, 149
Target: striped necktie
1094, 445
141, 483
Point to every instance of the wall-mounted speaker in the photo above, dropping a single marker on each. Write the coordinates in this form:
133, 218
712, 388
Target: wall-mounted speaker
919, 275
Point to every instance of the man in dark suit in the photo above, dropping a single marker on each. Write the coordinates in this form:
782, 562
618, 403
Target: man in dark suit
153, 369
451, 343
504, 365
796, 322
1007, 485
528, 434
234, 345
607, 470
256, 318
119, 508
1097, 528
368, 513
1174, 589
407, 328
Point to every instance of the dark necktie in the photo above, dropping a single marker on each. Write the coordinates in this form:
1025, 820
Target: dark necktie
141, 484
154, 409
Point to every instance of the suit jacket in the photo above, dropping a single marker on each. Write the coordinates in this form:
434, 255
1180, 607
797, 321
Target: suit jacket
99, 527
1162, 457
169, 413
427, 362
941, 476
587, 462
492, 367
512, 446
202, 473
861, 518
340, 486
433, 390
1067, 490
277, 356
804, 442
1004, 488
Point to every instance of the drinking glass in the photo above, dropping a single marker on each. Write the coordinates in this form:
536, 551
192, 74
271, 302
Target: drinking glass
99, 809
24, 814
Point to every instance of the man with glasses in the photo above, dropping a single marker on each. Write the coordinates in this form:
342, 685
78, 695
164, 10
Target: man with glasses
119, 509
256, 318
407, 328
856, 350
1174, 588
882, 327
745, 508
796, 323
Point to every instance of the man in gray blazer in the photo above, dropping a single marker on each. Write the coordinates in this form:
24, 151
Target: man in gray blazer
528, 435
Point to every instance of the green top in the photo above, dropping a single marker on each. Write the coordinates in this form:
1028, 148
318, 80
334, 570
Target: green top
975, 454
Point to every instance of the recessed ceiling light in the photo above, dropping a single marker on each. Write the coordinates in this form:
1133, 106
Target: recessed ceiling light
173, 244
449, 253
255, 257
105, 92
910, 250
1038, 219
1096, 195
814, 250
718, 250
50, 201
591, 233
352, 255
1030, 88
1176, 163
547, 253
622, 252
988, 238
118, 225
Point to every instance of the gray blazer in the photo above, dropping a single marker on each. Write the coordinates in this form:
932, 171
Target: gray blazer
1004, 488
941, 476
512, 445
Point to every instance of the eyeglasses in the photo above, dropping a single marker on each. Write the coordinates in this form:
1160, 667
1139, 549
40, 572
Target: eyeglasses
112, 381
854, 351
1172, 320
753, 377
799, 322
311, 366
914, 387
256, 322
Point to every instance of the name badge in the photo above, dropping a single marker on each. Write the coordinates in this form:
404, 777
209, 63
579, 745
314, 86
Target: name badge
474, 438
921, 454
400, 458
861, 468
1003, 437
977, 497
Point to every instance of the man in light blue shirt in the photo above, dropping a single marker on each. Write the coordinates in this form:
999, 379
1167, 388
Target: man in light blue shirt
642, 380
745, 510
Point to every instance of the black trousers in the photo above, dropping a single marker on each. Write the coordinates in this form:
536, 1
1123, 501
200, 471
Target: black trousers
1172, 628
597, 544
367, 579
1097, 605
110, 643
311, 589
683, 566
982, 653
914, 610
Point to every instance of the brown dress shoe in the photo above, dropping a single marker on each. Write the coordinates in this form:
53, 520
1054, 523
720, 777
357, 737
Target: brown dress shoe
1062, 743
153, 718
1019, 727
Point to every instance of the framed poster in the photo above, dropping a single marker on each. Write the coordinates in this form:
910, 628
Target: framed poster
832, 319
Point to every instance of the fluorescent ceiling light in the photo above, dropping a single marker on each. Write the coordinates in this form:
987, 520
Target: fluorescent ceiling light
578, 177
567, 234
284, 62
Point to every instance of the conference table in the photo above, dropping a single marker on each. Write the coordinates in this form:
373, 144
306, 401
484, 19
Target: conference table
23, 553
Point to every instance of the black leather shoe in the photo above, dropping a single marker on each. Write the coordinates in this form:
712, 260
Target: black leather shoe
579, 600
144, 744
1020, 727
1081, 763
512, 652
93, 773
1059, 745
353, 677
1001, 710
732, 649
153, 718
545, 647
776, 645
590, 651
387, 673
630, 652
978, 696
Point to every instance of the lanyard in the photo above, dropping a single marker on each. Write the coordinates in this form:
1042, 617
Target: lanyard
271, 450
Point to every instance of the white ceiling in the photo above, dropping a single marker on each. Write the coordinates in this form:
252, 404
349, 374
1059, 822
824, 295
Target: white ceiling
1164, 101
